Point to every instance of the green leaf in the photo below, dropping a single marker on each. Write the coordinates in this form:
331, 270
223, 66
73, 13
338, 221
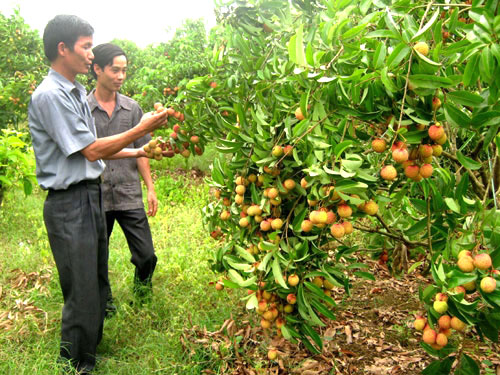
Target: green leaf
439, 367
252, 302
351, 33
365, 275
319, 292
298, 219
387, 82
485, 119
456, 278
292, 48
452, 204
416, 228
468, 162
471, 70
341, 147
455, 116
289, 333
430, 81
383, 34
307, 329
322, 309
466, 98
309, 346
397, 55
467, 366
299, 48
217, 174
427, 60
426, 26
244, 254
278, 275
379, 56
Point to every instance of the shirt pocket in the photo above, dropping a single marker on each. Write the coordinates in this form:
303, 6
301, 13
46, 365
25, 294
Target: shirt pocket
125, 121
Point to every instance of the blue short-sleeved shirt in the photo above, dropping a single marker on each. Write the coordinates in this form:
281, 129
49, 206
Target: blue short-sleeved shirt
61, 125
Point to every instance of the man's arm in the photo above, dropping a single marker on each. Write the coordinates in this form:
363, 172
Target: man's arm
145, 171
107, 147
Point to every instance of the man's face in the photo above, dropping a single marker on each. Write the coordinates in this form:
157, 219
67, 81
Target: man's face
112, 77
81, 57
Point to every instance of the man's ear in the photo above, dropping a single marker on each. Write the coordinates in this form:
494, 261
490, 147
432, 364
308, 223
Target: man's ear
62, 49
97, 69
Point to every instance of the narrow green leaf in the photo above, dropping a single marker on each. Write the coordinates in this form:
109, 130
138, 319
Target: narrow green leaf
455, 116
299, 48
468, 162
452, 204
341, 147
365, 275
466, 98
416, 228
379, 56
278, 275
471, 70
397, 55
426, 26
467, 366
430, 81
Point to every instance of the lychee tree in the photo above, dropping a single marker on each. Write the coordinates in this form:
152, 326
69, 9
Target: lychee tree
334, 116
21, 67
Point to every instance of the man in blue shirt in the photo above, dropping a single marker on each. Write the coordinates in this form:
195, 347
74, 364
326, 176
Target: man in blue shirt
68, 164
122, 193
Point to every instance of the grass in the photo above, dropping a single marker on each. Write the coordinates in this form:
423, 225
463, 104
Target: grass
137, 341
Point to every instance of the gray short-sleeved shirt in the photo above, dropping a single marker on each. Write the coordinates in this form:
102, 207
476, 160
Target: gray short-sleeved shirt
61, 125
121, 184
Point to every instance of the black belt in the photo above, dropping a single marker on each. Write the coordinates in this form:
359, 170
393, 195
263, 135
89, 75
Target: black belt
95, 181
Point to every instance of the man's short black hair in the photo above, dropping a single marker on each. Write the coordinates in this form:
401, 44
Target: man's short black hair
64, 28
104, 55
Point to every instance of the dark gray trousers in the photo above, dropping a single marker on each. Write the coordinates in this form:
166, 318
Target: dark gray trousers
76, 227
135, 226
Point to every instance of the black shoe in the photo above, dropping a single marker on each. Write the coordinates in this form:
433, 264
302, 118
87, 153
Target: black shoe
110, 308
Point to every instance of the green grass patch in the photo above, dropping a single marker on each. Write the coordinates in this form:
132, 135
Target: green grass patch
137, 340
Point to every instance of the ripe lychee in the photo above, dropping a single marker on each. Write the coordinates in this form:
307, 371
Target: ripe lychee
379, 145
435, 132
482, 261
488, 284
388, 173
337, 230
429, 336
370, 208
466, 264
457, 324
426, 170
422, 48
400, 155
298, 114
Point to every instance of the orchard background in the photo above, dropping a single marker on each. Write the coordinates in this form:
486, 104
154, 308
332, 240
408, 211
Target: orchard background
349, 161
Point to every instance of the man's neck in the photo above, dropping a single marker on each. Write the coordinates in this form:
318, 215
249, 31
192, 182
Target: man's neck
104, 96
63, 70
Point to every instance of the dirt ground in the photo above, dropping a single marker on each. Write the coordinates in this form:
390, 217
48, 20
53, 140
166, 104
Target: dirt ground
372, 335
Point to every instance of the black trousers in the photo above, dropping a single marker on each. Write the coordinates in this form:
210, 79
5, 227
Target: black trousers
76, 228
135, 226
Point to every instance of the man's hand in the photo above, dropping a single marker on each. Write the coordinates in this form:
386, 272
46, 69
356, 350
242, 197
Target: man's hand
152, 121
152, 203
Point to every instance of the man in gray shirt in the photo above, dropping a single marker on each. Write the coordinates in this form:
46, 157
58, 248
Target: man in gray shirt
68, 164
122, 194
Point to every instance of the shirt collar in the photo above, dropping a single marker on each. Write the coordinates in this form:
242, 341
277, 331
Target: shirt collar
65, 83
121, 101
